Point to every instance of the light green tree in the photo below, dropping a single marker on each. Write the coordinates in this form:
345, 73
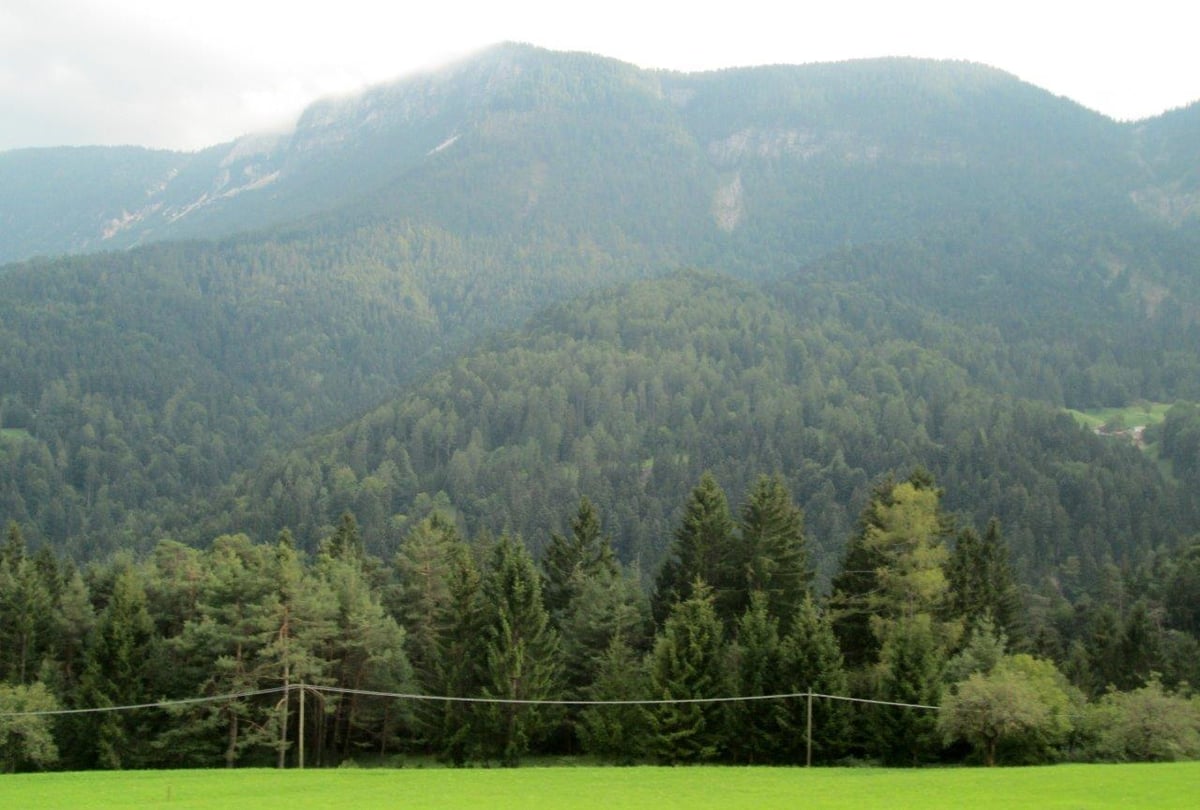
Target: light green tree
1023, 705
26, 741
1148, 724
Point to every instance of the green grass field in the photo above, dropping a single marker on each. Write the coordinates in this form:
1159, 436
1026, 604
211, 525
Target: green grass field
1064, 786
1142, 413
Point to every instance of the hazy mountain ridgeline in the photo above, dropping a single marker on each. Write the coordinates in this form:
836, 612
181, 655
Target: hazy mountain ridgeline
517, 137
944, 238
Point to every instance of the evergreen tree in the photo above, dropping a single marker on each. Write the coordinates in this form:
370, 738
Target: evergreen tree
521, 651
116, 674
346, 541
587, 552
700, 552
366, 653
426, 567
452, 726
688, 663
299, 620
74, 621
752, 729
1140, 647
771, 552
909, 671
604, 606
227, 639
982, 583
1183, 590
813, 662
615, 732
26, 614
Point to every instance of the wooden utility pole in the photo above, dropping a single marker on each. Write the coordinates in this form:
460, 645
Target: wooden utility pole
808, 733
300, 731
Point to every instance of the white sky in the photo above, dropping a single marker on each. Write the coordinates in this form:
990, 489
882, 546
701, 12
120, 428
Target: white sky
185, 74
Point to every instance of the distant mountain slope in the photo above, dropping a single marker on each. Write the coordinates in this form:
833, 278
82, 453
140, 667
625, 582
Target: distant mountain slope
518, 138
627, 396
905, 212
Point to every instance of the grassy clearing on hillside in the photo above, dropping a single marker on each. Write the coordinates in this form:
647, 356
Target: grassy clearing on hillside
1068, 786
1140, 413
14, 434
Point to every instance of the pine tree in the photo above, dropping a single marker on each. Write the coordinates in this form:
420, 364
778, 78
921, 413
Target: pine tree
753, 732
426, 565
771, 551
586, 552
299, 620
115, 674
521, 651
229, 635
366, 653
982, 583
688, 662
812, 661
700, 551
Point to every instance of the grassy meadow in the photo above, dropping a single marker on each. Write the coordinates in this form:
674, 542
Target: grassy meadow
727, 788
1141, 413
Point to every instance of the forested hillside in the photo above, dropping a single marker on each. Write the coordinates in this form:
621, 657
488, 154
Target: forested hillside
627, 397
545, 377
936, 258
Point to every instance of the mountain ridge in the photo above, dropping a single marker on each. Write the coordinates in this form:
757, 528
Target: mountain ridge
345, 150
979, 239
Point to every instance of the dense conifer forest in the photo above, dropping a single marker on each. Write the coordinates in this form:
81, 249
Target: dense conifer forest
543, 377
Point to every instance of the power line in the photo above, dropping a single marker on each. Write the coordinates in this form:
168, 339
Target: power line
338, 690
161, 704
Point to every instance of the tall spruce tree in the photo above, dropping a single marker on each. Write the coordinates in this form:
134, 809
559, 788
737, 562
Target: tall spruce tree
116, 674
615, 732
752, 729
771, 552
586, 551
700, 552
812, 661
26, 614
521, 651
909, 672
688, 662
982, 583
451, 726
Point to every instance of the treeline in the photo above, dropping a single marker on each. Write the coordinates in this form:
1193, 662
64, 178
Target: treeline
923, 610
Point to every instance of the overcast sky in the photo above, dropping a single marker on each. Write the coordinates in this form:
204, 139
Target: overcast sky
184, 74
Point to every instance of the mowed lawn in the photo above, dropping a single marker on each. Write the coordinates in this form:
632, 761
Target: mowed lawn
1064, 786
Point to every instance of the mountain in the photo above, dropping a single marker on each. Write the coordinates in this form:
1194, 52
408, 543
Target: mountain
627, 396
522, 138
933, 258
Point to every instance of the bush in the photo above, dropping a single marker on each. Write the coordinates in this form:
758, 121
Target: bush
1145, 725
